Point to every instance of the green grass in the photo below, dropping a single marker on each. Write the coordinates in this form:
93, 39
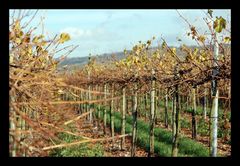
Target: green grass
163, 139
81, 150
202, 128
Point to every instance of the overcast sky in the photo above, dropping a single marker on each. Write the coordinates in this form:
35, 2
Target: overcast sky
107, 31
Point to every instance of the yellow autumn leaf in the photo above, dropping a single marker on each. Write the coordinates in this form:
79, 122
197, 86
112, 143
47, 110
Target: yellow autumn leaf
20, 34
128, 64
149, 42
64, 37
164, 44
37, 38
221, 57
219, 24
39, 49
160, 63
17, 26
201, 38
195, 51
43, 43
18, 41
227, 39
29, 50
11, 58
174, 50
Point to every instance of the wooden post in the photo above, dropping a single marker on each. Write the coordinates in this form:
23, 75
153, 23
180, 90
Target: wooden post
99, 108
145, 100
205, 103
152, 115
194, 107
112, 113
134, 124
166, 109
214, 110
123, 117
105, 110
176, 117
